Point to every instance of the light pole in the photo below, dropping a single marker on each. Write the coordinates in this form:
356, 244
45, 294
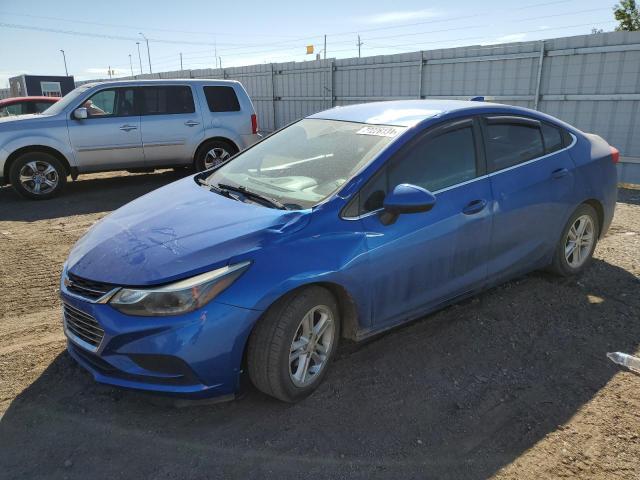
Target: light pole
148, 51
139, 57
131, 65
64, 58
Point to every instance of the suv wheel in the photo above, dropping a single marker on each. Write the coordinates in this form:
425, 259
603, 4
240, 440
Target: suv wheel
290, 349
212, 154
37, 175
578, 241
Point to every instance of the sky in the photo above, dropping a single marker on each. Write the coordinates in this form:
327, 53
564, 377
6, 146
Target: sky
98, 36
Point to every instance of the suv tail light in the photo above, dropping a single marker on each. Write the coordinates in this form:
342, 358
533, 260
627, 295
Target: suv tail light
254, 123
615, 155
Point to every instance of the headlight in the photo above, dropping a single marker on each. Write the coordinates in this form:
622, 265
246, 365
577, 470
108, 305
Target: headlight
179, 297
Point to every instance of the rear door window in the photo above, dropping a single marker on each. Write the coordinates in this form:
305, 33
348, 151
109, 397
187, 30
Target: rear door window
167, 100
510, 141
552, 137
221, 99
40, 107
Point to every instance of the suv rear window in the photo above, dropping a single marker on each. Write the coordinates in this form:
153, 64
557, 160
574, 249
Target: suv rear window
167, 100
222, 99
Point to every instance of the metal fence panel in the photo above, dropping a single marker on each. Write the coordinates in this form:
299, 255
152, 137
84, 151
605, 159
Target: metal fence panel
590, 81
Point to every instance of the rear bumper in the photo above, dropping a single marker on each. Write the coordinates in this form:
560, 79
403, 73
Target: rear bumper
249, 140
195, 355
3, 159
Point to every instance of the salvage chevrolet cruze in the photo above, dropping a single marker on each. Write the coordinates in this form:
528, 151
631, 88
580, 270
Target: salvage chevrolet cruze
341, 225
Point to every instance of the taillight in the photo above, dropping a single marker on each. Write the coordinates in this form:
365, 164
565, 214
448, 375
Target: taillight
254, 123
615, 155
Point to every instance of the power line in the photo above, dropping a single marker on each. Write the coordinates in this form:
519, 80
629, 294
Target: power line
233, 47
133, 27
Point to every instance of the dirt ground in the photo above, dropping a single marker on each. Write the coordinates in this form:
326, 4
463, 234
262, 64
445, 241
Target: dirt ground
511, 384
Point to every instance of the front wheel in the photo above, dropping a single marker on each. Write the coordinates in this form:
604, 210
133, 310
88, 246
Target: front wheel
579, 237
292, 346
37, 175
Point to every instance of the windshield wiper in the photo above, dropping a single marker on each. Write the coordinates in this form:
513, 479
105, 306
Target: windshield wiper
256, 196
218, 190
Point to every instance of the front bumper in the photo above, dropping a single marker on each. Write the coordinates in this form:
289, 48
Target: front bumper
198, 354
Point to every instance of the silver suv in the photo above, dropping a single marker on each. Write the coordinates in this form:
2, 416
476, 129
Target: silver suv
126, 125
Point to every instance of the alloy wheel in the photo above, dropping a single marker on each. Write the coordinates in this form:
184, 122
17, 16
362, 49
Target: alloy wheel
311, 345
38, 177
215, 157
579, 241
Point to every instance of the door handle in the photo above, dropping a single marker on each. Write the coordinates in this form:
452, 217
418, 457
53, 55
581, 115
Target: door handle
474, 207
126, 128
191, 123
559, 173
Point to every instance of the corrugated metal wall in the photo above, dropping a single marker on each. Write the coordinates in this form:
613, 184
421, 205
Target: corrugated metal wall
590, 81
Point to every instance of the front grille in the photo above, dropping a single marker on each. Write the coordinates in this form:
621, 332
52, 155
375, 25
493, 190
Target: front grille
82, 326
87, 288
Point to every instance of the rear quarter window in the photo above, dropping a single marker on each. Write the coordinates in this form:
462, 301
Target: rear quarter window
221, 99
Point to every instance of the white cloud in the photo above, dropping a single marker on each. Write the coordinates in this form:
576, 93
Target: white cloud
401, 16
514, 37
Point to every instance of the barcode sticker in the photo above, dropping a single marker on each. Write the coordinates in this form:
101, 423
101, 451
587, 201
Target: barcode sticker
379, 131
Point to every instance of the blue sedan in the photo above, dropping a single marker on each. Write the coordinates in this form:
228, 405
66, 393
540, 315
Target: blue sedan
342, 225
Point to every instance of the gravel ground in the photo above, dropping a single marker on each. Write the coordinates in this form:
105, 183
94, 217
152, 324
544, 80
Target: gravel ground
513, 383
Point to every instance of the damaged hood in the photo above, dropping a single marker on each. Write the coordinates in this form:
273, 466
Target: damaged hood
175, 232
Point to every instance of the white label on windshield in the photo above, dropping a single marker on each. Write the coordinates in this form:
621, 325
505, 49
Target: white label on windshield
379, 131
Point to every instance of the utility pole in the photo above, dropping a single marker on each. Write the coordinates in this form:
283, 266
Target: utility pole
215, 51
220, 58
325, 47
64, 58
131, 65
139, 57
359, 45
109, 71
181, 62
148, 51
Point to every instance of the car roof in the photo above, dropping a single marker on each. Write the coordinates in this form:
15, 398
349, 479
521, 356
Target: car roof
404, 113
162, 81
12, 100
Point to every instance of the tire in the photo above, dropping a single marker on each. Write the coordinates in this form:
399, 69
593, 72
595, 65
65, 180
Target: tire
43, 185
269, 353
213, 153
565, 264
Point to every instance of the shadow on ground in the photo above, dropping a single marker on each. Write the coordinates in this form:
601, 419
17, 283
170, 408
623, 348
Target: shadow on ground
629, 195
89, 194
459, 394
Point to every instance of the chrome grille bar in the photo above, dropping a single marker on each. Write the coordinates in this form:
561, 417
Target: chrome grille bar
82, 328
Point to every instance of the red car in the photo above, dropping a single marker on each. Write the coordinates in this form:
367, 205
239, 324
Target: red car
24, 105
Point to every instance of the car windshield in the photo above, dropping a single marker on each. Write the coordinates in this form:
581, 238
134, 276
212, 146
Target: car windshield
306, 162
64, 102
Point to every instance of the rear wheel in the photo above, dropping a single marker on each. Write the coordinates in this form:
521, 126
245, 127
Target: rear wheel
213, 153
575, 250
37, 175
291, 348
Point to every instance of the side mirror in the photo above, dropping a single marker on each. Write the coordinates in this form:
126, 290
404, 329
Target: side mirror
80, 113
406, 198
